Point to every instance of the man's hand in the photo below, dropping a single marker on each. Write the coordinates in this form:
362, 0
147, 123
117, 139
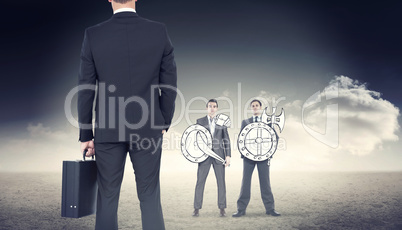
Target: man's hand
163, 131
227, 161
90, 146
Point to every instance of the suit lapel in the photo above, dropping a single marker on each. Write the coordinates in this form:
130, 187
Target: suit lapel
206, 123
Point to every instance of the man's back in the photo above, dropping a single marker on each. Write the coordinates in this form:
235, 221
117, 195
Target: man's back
130, 57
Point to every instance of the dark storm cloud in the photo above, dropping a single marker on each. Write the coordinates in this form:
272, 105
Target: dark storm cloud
41, 43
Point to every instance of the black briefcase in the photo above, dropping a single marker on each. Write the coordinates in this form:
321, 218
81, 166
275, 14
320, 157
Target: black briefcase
79, 188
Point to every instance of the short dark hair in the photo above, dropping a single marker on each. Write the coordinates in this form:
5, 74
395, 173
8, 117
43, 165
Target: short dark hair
255, 100
122, 1
212, 100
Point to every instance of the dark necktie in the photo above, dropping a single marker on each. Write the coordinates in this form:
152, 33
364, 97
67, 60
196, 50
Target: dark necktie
255, 119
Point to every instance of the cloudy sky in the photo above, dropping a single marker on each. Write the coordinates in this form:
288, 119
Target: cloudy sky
347, 55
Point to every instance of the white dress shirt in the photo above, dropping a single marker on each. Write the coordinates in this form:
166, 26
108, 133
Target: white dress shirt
211, 125
258, 118
124, 10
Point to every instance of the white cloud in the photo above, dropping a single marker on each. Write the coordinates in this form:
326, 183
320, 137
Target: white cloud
39, 149
265, 94
226, 93
267, 98
39, 130
366, 123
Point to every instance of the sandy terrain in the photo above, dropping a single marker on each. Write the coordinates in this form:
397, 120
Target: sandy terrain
306, 201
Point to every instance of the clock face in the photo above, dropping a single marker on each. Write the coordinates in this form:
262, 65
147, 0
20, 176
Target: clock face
257, 141
189, 146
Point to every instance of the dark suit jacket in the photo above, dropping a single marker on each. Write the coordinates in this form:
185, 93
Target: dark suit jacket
244, 123
221, 141
126, 55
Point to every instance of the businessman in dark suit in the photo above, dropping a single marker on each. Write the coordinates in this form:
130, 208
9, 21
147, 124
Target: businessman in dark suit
221, 146
131, 61
263, 174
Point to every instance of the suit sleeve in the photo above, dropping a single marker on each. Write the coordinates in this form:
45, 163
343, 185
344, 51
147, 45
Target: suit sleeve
86, 94
226, 142
243, 124
167, 82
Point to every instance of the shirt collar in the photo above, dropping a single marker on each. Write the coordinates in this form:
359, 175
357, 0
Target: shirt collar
124, 10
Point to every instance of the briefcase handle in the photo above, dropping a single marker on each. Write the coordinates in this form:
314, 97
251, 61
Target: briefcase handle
85, 152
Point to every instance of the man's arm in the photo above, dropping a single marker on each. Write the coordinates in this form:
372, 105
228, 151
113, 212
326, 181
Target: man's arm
167, 82
226, 141
86, 82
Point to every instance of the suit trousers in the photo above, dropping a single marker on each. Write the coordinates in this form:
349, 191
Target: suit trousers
202, 174
110, 160
265, 185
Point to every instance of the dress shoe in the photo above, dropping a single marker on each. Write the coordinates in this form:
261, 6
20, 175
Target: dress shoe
273, 213
222, 212
196, 212
239, 213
